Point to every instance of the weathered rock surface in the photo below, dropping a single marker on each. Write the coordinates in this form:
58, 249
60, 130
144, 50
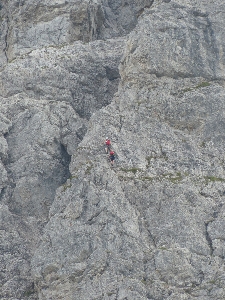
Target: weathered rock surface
18, 237
46, 95
36, 163
152, 226
28, 25
85, 75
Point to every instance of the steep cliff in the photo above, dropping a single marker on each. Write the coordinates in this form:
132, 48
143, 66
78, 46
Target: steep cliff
150, 75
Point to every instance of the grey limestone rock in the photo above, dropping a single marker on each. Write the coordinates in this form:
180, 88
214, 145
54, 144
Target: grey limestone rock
175, 42
39, 142
17, 237
74, 227
39, 135
166, 125
28, 25
86, 76
40, 126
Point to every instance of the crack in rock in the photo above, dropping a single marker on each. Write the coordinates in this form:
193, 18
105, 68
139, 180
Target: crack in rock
208, 238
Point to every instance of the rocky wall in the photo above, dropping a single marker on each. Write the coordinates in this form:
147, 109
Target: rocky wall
150, 75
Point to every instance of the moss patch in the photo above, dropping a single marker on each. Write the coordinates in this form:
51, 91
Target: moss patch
133, 170
174, 178
163, 248
147, 178
200, 85
89, 167
187, 90
73, 176
66, 186
213, 179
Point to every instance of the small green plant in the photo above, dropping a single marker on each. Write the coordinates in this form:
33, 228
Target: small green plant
123, 178
88, 170
174, 178
202, 84
147, 178
133, 170
66, 186
187, 90
163, 248
57, 46
162, 156
83, 148
147, 281
144, 281
213, 179
212, 282
203, 145
177, 178
11, 60
139, 102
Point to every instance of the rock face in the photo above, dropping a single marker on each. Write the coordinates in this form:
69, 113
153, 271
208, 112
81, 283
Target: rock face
28, 25
150, 75
86, 76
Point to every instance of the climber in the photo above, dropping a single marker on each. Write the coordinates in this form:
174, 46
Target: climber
112, 157
107, 144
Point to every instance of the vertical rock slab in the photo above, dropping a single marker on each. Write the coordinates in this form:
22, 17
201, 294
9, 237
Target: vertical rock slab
34, 152
175, 42
17, 238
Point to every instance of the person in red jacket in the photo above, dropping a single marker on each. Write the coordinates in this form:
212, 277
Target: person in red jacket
107, 145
